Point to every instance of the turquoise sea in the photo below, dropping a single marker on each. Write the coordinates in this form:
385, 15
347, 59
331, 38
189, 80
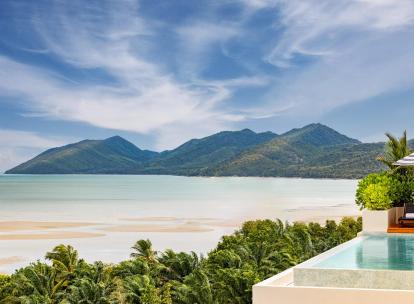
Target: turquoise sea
103, 215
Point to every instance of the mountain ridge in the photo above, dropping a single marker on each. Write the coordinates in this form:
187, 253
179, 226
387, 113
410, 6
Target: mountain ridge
314, 150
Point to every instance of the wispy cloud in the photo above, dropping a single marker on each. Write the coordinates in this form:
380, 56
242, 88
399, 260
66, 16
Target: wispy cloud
326, 27
123, 65
114, 40
339, 52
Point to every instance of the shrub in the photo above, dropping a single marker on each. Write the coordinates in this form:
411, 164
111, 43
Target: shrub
377, 197
402, 189
377, 191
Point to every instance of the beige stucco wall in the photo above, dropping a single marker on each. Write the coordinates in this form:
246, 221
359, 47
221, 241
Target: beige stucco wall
321, 295
279, 289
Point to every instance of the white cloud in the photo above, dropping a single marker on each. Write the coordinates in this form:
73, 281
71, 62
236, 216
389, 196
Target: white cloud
358, 49
349, 50
324, 27
116, 42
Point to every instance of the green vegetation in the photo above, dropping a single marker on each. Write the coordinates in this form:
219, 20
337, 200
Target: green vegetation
375, 192
196, 155
257, 251
391, 188
112, 155
312, 151
395, 149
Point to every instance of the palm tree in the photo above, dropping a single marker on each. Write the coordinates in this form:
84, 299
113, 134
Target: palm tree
395, 149
64, 259
95, 284
178, 265
37, 283
145, 251
196, 289
141, 289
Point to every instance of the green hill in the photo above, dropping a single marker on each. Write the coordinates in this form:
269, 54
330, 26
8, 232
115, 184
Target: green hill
112, 155
199, 154
312, 151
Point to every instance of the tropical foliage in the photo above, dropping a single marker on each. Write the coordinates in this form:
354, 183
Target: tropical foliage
392, 188
395, 149
258, 250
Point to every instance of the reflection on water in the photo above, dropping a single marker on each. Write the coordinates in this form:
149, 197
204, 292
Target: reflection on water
392, 252
395, 252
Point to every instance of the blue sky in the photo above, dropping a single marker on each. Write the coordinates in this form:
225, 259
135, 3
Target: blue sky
162, 72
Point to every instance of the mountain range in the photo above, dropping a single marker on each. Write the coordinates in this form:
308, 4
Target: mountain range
312, 151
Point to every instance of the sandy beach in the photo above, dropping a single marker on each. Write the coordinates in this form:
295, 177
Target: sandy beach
39, 225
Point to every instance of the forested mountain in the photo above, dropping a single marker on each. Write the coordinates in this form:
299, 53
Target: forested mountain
112, 155
312, 151
199, 154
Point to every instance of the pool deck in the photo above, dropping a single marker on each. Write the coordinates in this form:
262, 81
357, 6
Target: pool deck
400, 229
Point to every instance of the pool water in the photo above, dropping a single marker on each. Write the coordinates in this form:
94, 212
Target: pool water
393, 252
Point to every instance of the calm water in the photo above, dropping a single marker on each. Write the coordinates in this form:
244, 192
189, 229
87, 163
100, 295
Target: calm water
375, 252
213, 206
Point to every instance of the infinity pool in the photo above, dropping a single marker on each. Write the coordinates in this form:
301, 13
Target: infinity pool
380, 261
392, 252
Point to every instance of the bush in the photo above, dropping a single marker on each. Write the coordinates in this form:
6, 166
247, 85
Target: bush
380, 191
402, 190
377, 197
376, 191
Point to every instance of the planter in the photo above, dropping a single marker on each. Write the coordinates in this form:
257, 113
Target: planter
378, 220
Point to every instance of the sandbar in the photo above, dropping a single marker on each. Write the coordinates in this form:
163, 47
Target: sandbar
157, 228
52, 235
11, 260
39, 225
167, 219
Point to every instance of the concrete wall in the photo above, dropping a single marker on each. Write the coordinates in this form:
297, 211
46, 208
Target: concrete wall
280, 290
319, 295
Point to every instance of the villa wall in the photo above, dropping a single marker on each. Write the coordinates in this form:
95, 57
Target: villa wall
280, 289
325, 295
354, 278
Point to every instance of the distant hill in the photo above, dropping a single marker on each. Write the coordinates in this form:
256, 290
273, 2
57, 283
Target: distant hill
312, 151
197, 155
112, 155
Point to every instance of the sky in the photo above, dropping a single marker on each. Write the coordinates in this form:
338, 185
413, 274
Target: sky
159, 73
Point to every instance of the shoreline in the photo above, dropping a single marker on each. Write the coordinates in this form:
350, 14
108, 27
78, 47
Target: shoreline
184, 176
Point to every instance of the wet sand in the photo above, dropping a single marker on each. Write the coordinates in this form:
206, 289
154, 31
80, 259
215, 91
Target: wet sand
37, 225
50, 235
11, 260
167, 219
158, 228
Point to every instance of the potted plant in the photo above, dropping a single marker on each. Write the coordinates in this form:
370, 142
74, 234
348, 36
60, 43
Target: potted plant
375, 197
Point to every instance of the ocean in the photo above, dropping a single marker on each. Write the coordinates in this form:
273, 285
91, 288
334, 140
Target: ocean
103, 215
